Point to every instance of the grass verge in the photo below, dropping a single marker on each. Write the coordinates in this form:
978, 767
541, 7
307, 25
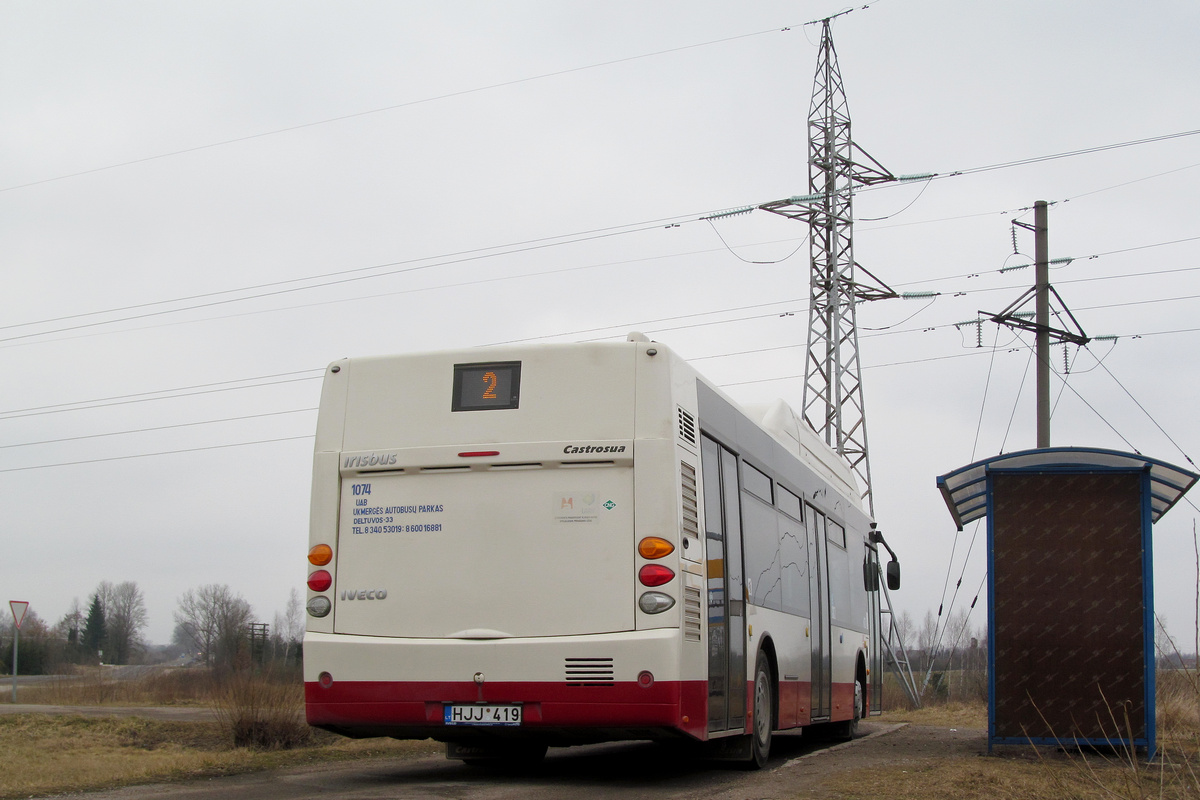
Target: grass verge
54, 754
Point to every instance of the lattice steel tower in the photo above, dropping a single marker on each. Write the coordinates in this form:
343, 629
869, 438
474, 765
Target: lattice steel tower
832, 403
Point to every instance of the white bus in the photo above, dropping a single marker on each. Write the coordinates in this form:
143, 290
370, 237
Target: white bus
558, 544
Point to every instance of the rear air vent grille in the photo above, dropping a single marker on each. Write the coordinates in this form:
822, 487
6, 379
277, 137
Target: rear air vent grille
589, 671
691, 614
687, 426
691, 519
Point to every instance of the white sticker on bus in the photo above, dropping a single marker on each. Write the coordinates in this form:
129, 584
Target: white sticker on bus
576, 507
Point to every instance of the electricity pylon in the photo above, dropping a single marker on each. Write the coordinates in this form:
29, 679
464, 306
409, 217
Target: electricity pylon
832, 403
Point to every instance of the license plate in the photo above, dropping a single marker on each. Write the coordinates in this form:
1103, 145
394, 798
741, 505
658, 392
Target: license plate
482, 714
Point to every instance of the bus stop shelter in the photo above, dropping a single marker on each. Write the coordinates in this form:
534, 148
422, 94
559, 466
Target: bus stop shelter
1070, 590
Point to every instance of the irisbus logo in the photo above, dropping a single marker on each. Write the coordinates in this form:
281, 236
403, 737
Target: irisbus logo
372, 460
364, 594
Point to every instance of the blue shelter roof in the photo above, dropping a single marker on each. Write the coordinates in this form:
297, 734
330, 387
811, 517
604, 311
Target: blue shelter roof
965, 489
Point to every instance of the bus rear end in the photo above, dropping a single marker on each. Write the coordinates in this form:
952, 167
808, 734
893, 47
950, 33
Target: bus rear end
478, 520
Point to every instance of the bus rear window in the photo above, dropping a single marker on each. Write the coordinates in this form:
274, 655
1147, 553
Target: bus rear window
480, 387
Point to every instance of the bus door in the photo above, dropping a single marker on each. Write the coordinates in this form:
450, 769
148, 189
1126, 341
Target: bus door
818, 587
871, 568
726, 593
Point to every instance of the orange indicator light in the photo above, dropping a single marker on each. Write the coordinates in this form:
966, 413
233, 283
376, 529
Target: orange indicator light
320, 555
655, 547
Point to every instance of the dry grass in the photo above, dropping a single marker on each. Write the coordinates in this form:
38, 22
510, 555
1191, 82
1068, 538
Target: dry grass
52, 754
1050, 773
1055, 777
942, 715
169, 686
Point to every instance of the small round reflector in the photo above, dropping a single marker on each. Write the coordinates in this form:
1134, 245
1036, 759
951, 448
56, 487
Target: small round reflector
655, 602
645, 679
319, 606
325, 679
655, 575
320, 555
655, 547
320, 580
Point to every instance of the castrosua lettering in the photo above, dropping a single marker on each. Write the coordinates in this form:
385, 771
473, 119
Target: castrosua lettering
574, 449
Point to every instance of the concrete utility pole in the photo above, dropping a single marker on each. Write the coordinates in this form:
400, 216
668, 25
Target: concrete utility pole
1013, 317
1041, 257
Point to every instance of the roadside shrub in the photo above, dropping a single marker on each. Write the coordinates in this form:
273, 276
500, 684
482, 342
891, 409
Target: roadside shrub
262, 712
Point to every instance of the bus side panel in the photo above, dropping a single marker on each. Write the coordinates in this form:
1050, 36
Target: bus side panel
789, 637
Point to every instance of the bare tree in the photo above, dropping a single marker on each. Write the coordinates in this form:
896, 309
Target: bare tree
288, 629
904, 628
927, 637
214, 619
125, 615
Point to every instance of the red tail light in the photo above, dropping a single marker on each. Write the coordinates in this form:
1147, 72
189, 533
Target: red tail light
655, 575
321, 580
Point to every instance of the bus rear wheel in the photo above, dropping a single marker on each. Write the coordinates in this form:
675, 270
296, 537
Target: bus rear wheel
764, 703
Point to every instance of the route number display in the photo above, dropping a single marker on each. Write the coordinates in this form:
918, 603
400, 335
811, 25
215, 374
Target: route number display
482, 387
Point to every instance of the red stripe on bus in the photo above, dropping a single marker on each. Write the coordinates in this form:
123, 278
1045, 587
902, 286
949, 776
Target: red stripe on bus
419, 703
665, 705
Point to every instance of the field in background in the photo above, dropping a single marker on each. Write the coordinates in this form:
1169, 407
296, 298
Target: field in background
259, 725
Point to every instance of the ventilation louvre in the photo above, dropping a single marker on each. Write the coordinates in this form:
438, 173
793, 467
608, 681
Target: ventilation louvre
589, 671
687, 426
691, 614
690, 523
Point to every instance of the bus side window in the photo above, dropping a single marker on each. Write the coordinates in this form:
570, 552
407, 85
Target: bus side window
793, 553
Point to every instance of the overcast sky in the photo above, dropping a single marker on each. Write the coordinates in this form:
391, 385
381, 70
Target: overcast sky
202, 204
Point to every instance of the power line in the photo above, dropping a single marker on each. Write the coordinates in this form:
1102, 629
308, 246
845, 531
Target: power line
600, 234
1161, 430
207, 388
1090, 257
349, 275
159, 453
634, 325
396, 106
143, 397
973, 353
156, 428
1068, 154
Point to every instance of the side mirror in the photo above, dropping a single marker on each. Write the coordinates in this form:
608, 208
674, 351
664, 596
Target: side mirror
893, 575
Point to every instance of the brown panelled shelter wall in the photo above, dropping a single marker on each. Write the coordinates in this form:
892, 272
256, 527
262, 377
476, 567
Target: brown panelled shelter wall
1068, 604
